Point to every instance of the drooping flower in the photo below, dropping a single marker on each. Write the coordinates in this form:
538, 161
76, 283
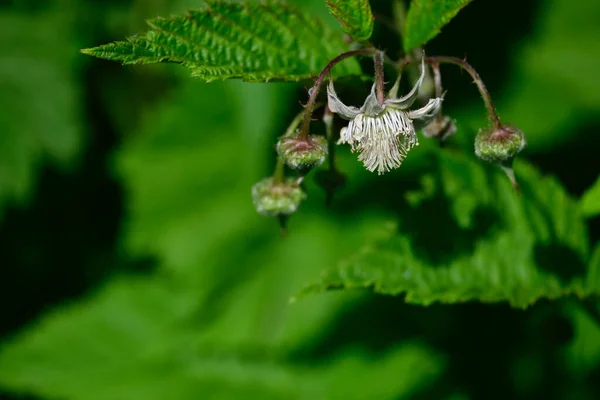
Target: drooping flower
384, 133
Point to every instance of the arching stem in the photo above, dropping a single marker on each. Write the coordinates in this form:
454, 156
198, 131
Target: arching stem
485, 95
314, 91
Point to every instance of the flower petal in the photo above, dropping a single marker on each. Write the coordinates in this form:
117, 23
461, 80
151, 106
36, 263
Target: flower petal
428, 111
405, 102
393, 93
372, 107
336, 106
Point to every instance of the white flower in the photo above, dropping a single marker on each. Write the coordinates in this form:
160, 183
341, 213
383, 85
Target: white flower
383, 133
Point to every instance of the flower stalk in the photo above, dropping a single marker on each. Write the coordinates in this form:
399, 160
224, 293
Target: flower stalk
485, 94
314, 91
379, 77
279, 172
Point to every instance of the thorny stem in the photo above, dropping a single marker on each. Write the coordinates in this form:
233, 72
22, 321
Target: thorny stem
485, 95
379, 77
295, 122
314, 91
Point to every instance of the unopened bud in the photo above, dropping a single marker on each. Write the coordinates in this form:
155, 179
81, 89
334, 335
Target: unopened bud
277, 198
302, 153
441, 127
500, 145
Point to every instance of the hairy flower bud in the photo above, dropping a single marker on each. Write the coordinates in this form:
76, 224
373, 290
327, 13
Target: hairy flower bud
441, 127
500, 145
302, 153
277, 198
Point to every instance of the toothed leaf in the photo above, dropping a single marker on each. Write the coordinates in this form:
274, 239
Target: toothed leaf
252, 41
354, 15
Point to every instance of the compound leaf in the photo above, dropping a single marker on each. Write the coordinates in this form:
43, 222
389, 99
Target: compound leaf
252, 41
213, 321
467, 236
355, 16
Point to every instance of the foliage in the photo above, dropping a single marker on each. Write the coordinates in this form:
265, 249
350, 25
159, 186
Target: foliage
189, 297
590, 202
452, 245
190, 330
426, 18
354, 15
224, 40
38, 70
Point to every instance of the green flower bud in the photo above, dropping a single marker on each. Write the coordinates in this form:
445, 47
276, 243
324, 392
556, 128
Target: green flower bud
441, 127
302, 153
500, 145
277, 199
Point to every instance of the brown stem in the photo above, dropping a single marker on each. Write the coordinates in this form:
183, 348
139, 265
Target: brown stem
379, 77
485, 95
314, 92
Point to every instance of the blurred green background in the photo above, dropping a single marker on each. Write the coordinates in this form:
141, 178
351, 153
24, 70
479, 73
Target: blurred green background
133, 265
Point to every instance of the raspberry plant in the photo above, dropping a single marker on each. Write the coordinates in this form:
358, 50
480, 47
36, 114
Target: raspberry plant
213, 320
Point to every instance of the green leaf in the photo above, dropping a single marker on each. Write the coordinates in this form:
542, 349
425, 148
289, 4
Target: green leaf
355, 16
426, 18
131, 342
590, 202
467, 236
213, 321
39, 99
252, 41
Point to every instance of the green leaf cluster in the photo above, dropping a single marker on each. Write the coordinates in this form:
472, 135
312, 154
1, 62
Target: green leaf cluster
252, 41
209, 316
213, 320
354, 15
466, 236
40, 102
